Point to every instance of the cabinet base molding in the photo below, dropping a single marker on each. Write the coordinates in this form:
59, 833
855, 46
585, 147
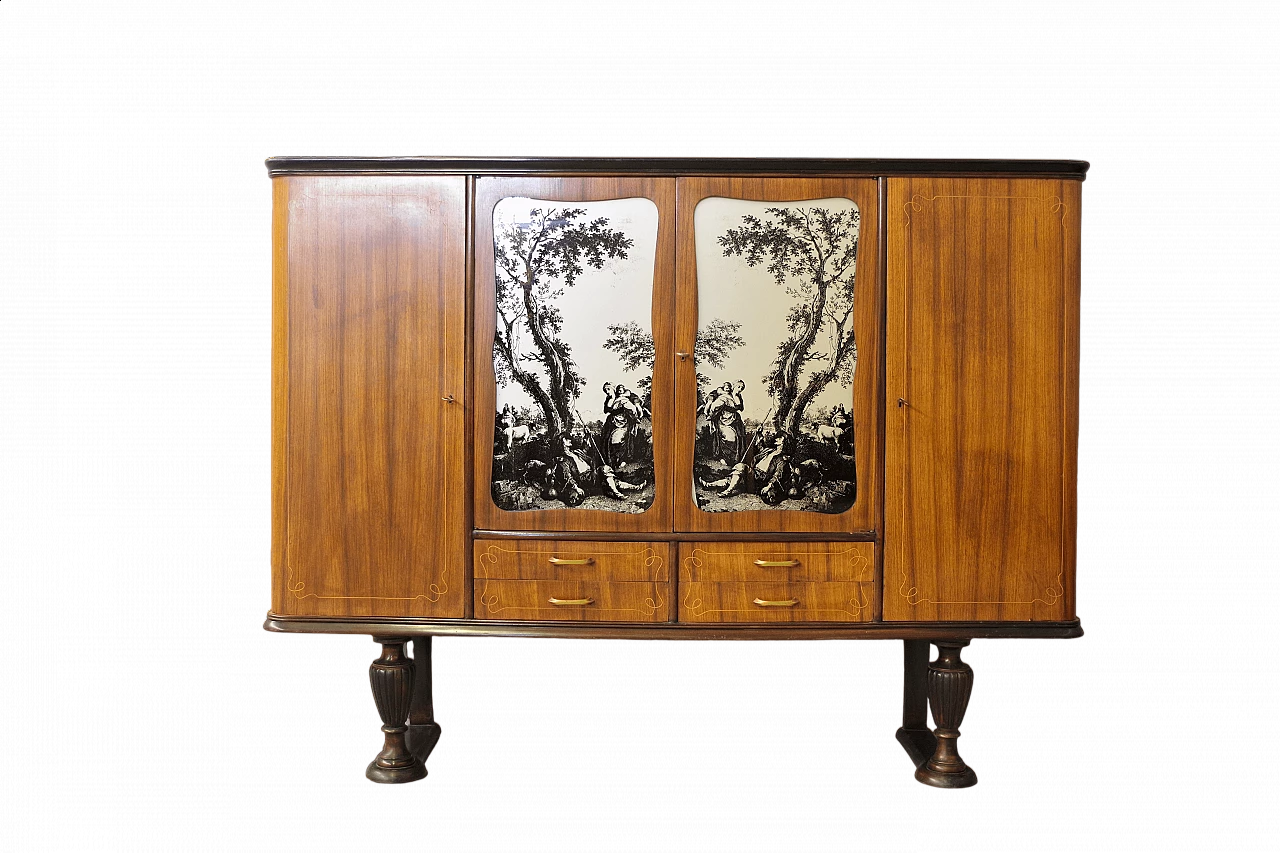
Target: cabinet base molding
675, 631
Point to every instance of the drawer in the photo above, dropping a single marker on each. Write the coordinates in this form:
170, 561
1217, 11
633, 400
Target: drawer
571, 601
769, 601
811, 562
541, 559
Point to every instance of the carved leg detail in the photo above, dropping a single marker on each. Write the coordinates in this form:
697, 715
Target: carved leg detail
950, 683
391, 677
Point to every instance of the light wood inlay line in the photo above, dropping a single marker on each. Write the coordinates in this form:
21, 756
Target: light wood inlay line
298, 590
1055, 204
1051, 597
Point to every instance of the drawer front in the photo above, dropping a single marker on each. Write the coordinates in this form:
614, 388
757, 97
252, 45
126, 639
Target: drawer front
808, 562
605, 562
765, 601
571, 601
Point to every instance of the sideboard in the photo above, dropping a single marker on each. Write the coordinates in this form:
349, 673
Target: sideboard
730, 399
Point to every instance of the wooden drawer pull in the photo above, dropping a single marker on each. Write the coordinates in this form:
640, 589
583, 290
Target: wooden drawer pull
773, 563
571, 602
558, 561
790, 602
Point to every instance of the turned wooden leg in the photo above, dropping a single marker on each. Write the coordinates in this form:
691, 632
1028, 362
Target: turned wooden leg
915, 736
391, 677
950, 683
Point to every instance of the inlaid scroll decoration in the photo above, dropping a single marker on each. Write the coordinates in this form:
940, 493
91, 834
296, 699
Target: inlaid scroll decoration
1048, 596
298, 588
853, 560
435, 591
492, 603
1051, 593
1055, 203
573, 287
775, 355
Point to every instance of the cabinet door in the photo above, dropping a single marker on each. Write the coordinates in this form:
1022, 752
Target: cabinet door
369, 483
777, 424
573, 353
983, 329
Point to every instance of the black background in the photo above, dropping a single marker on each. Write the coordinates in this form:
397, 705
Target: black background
759, 717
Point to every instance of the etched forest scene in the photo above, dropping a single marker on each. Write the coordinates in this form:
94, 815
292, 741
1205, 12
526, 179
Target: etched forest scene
774, 416
573, 425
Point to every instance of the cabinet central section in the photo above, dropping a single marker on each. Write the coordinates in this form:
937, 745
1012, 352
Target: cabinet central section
658, 355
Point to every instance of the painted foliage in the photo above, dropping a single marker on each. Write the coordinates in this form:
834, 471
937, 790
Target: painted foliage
574, 293
774, 422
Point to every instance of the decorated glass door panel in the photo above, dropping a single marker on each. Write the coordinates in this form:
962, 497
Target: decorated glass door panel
573, 357
779, 308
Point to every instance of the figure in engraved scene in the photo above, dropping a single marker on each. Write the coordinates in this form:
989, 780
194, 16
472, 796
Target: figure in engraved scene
728, 433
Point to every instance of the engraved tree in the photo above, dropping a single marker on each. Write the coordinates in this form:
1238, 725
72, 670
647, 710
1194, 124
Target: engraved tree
811, 253
534, 262
634, 347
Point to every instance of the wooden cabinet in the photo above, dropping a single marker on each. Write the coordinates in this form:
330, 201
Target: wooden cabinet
686, 399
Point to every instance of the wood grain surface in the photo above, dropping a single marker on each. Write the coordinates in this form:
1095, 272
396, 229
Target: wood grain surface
618, 562
489, 191
605, 602
865, 395
626, 581
746, 602
813, 561
368, 458
983, 327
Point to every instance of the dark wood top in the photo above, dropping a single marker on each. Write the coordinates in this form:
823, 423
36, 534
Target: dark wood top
417, 627
1071, 169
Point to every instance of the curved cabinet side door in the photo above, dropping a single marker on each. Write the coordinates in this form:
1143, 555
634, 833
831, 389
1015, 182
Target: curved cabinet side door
983, 379
369, 467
